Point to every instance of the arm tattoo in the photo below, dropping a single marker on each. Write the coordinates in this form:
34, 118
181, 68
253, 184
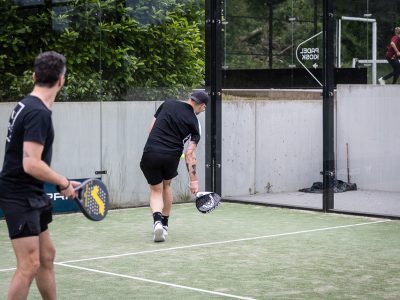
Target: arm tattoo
194, 169
25, 154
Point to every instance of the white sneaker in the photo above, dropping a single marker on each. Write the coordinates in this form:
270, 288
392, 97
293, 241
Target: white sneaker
158, 232
165, 228
381, 81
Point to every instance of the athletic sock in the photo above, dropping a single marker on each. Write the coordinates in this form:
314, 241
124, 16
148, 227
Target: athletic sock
165, 220
157, 216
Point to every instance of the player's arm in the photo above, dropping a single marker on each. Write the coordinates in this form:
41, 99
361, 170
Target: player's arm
191, 165
34, 165
395, 48
152, 124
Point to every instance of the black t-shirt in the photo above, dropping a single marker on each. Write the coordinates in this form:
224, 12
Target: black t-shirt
175, 124
30, 121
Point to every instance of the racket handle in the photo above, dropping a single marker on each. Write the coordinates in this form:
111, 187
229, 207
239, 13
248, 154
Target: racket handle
79, 186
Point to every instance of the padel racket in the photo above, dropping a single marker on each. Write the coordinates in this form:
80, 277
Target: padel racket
207, 201
93, 199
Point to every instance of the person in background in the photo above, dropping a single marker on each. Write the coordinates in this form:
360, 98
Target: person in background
393, 55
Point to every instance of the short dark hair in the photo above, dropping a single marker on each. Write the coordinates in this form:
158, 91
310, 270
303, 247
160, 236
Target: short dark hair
48, 68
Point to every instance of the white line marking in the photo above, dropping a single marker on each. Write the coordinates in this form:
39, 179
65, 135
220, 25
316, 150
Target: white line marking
215, 243
222, 242
156, 282
7, 270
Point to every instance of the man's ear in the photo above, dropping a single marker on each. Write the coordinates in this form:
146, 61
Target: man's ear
61, 80
33, 76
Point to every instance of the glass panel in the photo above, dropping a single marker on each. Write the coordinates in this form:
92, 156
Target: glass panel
363, 35
272, 137
264, 36
29, 27
366, 124
124, 58
151, 51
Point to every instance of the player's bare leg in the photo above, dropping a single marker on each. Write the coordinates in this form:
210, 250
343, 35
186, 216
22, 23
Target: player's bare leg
26, 251
167, 199
45, 278
156, 205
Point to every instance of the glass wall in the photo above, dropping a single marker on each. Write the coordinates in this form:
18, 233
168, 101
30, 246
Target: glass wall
272, 137
133, 51
366, 124
124, 57
265, 35
116, 50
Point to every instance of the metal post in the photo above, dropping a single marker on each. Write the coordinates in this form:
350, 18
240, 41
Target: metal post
214, 86
328, 109
339, 43
374, 49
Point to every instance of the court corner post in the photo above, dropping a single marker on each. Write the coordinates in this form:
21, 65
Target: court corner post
328, 108
214, 52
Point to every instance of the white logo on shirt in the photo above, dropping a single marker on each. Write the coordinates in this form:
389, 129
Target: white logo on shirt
14, 115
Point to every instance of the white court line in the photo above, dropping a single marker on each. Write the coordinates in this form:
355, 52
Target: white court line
7, 270
222, 242
156, 282
215, 243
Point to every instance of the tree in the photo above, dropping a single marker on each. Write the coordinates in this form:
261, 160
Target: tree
116, 50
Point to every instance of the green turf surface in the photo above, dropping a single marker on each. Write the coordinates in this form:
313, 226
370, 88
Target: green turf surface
242, 251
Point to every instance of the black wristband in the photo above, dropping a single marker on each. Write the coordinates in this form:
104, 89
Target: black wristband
59, 189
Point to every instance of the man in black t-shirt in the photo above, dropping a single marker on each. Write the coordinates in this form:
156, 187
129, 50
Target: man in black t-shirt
174, 124
26, 167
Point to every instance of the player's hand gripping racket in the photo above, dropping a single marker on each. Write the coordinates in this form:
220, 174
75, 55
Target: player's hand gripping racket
207, 201
93, 199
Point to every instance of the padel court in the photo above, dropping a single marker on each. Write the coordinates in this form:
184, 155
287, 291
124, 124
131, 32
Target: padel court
239, 251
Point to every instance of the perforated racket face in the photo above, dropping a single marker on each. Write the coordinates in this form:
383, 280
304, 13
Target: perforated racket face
93, 199
207, 202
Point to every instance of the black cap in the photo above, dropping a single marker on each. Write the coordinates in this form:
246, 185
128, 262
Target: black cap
199, 97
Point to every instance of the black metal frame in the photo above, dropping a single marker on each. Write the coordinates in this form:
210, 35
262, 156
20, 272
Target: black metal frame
328, 108
214, 55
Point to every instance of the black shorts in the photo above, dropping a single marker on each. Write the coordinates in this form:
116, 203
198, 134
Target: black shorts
27, 217
157, 167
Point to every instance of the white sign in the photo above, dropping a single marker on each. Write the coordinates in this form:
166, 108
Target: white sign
309, 53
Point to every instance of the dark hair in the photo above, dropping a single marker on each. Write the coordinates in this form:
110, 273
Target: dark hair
48, 68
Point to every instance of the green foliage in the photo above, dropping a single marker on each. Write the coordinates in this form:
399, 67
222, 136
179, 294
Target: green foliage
116, 50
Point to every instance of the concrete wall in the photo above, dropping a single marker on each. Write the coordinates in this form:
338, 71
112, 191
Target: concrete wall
107, 136
368, 120
267, 145
270, 145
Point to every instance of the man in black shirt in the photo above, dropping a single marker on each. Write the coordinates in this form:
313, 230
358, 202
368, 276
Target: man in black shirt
26, 167
174, 124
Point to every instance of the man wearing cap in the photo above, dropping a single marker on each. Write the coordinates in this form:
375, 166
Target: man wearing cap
174, 124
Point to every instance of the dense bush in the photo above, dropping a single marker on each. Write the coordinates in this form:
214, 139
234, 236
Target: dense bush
116, 50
